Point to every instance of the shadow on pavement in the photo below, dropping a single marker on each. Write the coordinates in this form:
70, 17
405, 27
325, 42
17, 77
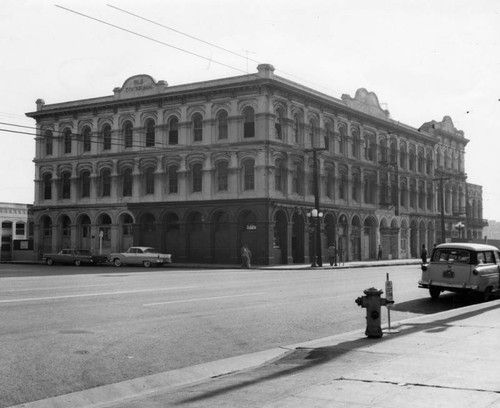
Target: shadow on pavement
306, 359
447, 301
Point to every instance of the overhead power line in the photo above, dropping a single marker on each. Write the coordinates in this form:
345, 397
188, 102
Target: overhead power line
182, 33
113, 140
149, 38
213, 45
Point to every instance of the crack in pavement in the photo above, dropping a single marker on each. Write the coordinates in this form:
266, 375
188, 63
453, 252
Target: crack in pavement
406, 384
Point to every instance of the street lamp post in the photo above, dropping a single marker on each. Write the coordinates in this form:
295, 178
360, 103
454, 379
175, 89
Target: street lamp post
460, 226
315, 216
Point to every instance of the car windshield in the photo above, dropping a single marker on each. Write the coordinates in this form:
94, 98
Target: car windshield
151, 250
82, 252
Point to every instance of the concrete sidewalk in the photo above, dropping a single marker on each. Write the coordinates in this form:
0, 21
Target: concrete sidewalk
449, 359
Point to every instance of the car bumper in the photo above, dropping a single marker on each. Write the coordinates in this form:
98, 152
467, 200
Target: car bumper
446, 285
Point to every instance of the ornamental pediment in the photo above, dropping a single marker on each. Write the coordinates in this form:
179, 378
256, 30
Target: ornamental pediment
366, 102
139, 85
445, 127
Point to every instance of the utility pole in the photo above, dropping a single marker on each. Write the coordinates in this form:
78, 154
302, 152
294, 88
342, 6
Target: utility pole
317, 240
441, 197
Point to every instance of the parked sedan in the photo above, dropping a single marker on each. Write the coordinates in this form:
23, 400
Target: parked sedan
74, 257
138, 255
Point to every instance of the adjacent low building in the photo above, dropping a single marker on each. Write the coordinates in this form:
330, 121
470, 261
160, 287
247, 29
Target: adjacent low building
200, 169
16, 231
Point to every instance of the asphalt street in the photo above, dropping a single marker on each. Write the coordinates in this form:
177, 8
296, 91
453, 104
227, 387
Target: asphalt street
66, 329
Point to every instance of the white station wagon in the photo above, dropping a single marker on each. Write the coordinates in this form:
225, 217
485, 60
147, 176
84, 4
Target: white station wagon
146, 256
462, 267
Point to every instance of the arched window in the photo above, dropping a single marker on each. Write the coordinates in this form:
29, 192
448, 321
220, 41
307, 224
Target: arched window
173, 131
221, 174
343, 186
248, 123
383, 150
421, 160
106, 137
278, 124
86, 136
127, 182
67, 140
128, 137
369, 189
105, 183
197, 128
49, 138
249, 174
222, 125
430, 197
328, 136
196, 178
356, 143
149, 180
313, 132
66, 226
173, 180
421, 196
356, 185
47, 186
403, 195
428, 163
127, 225
413, 195
150, 133
343, 140
402, 156
370, 147
66, 185
85, 184
279, 176
330, 183
412, 157
393, 153
298, 179
296, 128
47, 227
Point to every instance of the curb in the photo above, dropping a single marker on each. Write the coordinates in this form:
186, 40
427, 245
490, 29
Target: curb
107, 395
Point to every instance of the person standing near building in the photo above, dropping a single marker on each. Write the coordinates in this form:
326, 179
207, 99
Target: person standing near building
332, 253
379, 255
246, 256
423, 254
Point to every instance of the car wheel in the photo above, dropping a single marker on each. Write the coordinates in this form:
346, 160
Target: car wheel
435, 292
49, 261
147, 264
117, 262
78, 262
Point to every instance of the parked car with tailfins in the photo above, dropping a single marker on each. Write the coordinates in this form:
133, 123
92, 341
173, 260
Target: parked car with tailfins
139, 255
462, 267
74, 257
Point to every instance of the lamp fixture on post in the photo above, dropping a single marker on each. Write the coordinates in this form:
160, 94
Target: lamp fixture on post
315, 218
460, 226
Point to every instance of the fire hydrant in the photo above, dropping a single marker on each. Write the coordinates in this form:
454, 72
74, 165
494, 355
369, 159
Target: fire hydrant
372, 302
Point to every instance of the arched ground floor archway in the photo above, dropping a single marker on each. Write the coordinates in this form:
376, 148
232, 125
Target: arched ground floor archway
209, 232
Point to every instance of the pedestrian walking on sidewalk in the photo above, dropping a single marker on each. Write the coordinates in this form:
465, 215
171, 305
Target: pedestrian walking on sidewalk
379, 256
332, 253
423, 254
246, 256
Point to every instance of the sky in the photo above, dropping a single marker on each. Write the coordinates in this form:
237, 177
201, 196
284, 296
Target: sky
424, 60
